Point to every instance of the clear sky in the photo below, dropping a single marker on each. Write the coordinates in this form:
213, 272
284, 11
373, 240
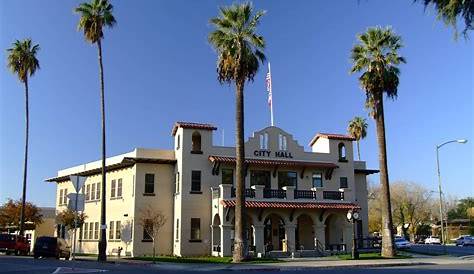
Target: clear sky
159, 68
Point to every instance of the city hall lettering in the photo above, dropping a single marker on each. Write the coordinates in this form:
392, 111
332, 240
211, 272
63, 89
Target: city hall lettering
277, 154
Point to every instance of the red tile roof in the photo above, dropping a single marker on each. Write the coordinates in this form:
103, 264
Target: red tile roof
269, 162
192, 126
306, 205
333, 136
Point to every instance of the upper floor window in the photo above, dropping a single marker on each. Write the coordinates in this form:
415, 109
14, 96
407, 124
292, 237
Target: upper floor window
119, 188
282, 142
343, 182
149, 183
264, 141
342, 152
227, 176
196, 181
92, 191
97, 192
62, 196
196, 142
287, 178
317, 179
260, 177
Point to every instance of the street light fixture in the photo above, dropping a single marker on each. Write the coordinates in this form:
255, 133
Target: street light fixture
353, 217
460, 141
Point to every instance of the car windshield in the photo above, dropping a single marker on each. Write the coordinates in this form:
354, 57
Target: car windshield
400, 240
46, 240
7, 237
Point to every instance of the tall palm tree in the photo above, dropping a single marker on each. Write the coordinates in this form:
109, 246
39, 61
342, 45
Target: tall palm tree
376, 58
240, 51
22, 61
358, 129
94, 17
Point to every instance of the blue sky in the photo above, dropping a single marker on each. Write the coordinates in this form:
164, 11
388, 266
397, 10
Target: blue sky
159, 68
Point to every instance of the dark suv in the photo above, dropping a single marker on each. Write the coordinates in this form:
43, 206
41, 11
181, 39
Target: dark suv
16, 244
51, 247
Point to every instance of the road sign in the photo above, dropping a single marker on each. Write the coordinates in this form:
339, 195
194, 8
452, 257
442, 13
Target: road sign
76, 202
77, 181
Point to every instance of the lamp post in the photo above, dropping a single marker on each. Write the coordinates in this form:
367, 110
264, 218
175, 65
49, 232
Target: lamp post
353, 216
460, 141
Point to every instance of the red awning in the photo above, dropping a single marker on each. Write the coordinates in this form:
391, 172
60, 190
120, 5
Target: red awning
306, 205
272, 162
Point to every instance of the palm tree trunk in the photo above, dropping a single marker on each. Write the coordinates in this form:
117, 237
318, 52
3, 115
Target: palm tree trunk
388, 249
239, 241
25, 165
102, 242
358, 149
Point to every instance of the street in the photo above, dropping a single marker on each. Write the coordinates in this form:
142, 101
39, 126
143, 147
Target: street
12, 264
439, 249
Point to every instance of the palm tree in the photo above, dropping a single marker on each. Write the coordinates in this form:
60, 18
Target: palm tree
240, 51
94, 16
358, 129
22, 61
376, 58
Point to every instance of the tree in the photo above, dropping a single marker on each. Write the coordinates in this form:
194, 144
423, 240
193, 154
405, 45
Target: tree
358, 129
239, 53
451, 10
376, 58
152, 221
68, 218
22, 61
463, 209
11, 211
94, 17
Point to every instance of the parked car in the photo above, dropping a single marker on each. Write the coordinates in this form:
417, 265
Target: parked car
402, 243
51, 247
465, 240
432, 240
14, 244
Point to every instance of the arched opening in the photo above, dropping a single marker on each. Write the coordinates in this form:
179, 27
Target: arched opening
216, 234
274, 232
334, 232
196, 140
342, 152
304, 233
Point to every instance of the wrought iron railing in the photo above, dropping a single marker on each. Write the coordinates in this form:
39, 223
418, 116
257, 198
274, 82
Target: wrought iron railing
333, 195
249, 193
305, 194
274, 193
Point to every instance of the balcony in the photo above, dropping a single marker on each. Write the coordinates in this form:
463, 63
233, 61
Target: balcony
333, 195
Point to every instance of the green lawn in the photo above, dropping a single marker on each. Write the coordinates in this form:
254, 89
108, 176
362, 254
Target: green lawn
204, 259
372, 256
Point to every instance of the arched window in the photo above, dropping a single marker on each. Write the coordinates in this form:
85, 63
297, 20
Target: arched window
262, 142
265, 140
196, 139
342, 152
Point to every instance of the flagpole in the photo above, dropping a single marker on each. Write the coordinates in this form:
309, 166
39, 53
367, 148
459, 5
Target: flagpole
271, 90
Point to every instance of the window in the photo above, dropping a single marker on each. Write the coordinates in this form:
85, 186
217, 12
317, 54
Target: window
92, 191
264, 141
118, 232
343, 182
113, 188
227, 176
282, 142
91, 231
149, 183
260, 177
119, 188
88, 192
148, 227
96, 230
287, 178
317, 179
196, 142
262, 145
65, 196
86, 227
177, 230
111, 230
177, 183
195, 229
97, 192
178, 142
60, 197
196, 181
342, 152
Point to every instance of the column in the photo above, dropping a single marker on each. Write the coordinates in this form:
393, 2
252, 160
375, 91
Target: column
226, 191
290, 230
226, 242
320, 235
290, 192
258, 191
258, 230
348, 235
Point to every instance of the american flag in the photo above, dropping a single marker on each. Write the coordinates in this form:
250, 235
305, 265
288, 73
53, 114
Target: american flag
268, 80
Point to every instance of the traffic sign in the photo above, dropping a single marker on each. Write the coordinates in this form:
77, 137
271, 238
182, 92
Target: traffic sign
76, 202
77, 181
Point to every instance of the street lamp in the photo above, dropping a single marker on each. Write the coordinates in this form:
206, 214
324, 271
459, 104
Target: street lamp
460, 141
353, 217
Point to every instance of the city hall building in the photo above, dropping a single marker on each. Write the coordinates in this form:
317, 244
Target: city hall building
296, 200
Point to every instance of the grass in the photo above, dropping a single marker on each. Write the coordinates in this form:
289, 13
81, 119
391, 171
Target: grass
201, 260
372, 256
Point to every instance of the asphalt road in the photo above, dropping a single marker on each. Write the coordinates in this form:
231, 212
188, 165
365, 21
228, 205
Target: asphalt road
439, 249
19, 265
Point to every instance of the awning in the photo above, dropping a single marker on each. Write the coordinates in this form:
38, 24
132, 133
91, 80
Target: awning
305, 205
272, 162
366, 171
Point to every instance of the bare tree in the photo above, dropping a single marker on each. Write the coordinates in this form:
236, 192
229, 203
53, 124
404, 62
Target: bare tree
152, 221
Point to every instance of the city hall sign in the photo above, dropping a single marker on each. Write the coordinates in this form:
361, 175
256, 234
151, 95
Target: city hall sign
276, 154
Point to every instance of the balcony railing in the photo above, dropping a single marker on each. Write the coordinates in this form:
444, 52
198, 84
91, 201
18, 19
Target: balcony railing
305, 194
249, 193
274, 193
333, 195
